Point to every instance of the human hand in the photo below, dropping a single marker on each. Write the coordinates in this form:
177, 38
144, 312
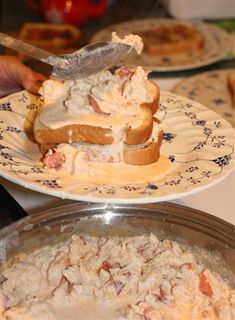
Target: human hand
15, 76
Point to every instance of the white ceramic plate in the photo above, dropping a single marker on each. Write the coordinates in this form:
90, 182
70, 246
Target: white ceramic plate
209, 88
199, 143
218, 45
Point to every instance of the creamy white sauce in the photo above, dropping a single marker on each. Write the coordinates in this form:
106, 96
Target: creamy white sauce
105, 172
119, 98
133, 40
122, 173
105, 164
54, 116
115, 278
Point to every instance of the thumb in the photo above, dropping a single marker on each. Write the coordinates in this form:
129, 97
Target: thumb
32, 81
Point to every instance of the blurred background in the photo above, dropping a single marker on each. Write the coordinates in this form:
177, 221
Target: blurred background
14, 14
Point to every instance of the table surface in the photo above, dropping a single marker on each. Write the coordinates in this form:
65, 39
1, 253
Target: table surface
218, 200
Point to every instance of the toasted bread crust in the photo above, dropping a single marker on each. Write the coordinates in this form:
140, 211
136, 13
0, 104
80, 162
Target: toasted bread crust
143, 156
139, 155
154, 88
138, 135
98, 135
172, 40
50, 35
72, 133
142, 133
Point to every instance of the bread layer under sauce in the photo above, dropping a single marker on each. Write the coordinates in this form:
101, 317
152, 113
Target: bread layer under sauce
118, 98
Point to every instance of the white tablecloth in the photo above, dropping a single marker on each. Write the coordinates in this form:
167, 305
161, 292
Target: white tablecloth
219, 200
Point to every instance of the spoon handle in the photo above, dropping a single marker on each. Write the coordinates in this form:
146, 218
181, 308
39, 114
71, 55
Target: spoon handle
26, 48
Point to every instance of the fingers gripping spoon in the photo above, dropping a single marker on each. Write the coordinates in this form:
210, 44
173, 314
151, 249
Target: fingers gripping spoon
80, 64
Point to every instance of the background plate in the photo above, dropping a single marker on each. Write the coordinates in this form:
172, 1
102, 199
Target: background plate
209, 88
218, 45
199, 143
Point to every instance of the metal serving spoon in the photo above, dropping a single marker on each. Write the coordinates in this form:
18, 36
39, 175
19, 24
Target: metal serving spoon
84, 62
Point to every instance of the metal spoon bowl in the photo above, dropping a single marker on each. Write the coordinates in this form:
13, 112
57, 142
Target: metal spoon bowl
89, 60
80, 64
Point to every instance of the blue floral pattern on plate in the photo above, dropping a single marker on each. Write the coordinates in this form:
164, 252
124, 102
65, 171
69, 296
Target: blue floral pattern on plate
211, 89
198, 142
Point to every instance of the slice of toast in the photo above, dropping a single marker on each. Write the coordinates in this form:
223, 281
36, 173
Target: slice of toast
71, 133
142, 154
54, 36
57, 38
231, 86
172, 39
95, 132
138, 135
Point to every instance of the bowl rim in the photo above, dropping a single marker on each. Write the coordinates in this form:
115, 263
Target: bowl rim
177, 213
